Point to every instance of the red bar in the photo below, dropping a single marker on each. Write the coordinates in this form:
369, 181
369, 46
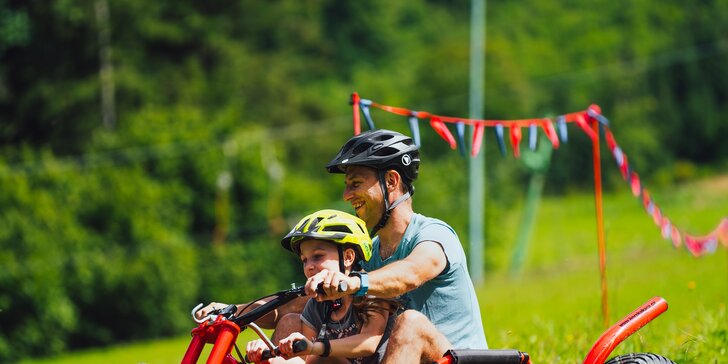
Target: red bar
194, 350
624, 328
224, 343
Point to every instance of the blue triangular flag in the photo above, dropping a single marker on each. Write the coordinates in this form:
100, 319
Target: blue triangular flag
561, 124
599, 117
415, 128
364, 105
460, 129
499, 138
532, 136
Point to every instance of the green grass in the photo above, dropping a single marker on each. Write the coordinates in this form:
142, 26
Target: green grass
168, 351
552, 309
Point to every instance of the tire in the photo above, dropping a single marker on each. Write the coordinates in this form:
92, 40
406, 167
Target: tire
639, 358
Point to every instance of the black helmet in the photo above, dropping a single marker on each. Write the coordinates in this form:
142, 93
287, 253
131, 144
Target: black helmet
380, 149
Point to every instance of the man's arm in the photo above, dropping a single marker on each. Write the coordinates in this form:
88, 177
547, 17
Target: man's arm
426, 261
268, 321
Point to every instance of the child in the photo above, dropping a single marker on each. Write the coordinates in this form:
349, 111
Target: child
356, 328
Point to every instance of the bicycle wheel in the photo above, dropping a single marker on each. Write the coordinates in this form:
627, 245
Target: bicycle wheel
640, 358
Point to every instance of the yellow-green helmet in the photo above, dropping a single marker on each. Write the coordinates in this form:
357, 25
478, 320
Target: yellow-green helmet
331, 225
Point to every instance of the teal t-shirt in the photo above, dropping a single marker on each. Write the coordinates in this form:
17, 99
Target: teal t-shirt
449, 299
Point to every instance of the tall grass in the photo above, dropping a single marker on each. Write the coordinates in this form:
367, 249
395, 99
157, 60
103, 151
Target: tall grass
552, 309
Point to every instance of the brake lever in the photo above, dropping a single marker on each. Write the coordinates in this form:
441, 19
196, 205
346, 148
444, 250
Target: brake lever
194, 317
212, 316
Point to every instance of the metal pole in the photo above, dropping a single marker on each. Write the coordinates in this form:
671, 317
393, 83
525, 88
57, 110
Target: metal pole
477, 163
601, 240
106, 66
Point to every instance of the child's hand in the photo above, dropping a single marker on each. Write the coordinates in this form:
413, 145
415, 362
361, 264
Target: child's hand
286, 345
254, 350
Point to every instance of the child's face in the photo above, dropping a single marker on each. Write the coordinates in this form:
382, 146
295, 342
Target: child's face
317, 255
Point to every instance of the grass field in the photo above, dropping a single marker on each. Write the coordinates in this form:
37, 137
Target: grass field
552, 309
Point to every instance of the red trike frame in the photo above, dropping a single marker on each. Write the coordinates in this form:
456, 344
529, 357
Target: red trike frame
222, 333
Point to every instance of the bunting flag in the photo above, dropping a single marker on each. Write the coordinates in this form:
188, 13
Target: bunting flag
415, 128
697, 245
532, 136
499, 138
443, 131
460, 128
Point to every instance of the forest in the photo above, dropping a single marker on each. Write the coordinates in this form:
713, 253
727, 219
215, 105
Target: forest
152, 154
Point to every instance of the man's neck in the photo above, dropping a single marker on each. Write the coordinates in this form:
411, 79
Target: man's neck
393, 232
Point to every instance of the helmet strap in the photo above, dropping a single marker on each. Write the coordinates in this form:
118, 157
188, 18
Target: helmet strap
342, 268
387, 207
336, 304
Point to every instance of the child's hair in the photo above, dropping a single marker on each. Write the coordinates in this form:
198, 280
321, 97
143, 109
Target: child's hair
368, 305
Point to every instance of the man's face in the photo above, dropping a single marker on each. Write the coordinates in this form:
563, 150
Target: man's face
364, 194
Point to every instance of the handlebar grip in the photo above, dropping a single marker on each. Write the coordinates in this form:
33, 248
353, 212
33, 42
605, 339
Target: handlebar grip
298, 347
342, 287
229, 310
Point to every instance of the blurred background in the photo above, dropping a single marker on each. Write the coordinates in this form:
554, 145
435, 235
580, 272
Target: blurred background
153, 153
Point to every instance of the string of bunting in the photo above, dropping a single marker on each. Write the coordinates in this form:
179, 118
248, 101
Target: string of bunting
555, 129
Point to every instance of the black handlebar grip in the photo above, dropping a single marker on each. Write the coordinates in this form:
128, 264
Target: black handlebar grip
298, 347
342, 287
229, 310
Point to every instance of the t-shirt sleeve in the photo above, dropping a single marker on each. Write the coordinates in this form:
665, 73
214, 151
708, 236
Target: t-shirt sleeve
311, 316
446, 237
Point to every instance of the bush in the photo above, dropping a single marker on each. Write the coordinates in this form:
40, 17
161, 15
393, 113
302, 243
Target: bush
89, 258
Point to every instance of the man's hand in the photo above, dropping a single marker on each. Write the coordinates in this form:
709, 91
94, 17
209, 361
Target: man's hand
330, 281
209, 308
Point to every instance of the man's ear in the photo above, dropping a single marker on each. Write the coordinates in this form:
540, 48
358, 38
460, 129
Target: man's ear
393, 179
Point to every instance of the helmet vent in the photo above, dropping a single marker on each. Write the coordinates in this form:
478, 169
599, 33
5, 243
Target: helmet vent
387, 151
383, 137
347, 146
361, 147
339, 228
314, 224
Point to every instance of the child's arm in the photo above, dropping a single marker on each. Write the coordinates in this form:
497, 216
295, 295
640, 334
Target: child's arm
360, 345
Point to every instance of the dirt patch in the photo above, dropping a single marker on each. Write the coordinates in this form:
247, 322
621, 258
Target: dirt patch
714, 184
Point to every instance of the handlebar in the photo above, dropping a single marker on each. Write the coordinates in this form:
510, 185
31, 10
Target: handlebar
222, 326
298, 347
226, 312
280, 298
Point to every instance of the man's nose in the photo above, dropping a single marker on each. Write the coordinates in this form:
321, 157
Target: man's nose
347, 195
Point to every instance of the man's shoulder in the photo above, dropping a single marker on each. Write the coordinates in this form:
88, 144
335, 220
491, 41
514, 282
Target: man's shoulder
427, 225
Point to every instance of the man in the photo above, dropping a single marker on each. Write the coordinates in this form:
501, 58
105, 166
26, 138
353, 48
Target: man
417, 258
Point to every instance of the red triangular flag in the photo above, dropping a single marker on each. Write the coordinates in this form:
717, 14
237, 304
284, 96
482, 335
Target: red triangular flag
477, 138
516, 140
581, 121
443, 131
550, 132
